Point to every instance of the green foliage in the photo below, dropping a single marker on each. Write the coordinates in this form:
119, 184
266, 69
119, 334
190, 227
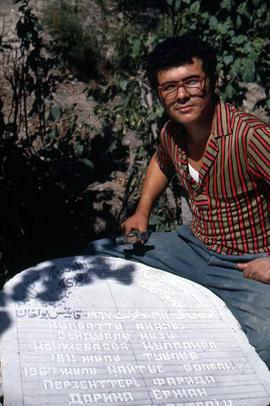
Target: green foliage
33, 75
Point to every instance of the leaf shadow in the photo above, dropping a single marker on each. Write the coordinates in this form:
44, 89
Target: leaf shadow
50, 283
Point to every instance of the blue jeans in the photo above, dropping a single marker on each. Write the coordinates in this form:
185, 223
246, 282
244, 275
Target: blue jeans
184, 255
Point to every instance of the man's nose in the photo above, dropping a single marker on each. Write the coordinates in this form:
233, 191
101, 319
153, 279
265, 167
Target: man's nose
181, 92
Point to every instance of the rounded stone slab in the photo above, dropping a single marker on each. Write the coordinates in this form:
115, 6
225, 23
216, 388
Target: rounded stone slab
99, 330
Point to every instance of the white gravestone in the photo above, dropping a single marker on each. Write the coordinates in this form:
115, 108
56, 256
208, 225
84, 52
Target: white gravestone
95, 330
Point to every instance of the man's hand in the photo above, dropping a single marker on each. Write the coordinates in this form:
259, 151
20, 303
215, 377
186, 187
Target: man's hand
136, 222
257, 269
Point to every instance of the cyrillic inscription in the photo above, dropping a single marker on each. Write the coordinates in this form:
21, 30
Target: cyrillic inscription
118, 334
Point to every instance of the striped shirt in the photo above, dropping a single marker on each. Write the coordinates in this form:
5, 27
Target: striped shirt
230, 204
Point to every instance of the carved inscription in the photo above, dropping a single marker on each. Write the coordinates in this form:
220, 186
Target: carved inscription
116, 333
127, 357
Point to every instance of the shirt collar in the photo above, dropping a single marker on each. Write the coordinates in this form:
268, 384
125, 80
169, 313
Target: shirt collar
222, 119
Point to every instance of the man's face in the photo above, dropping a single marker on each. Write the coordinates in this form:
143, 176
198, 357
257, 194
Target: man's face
189, 104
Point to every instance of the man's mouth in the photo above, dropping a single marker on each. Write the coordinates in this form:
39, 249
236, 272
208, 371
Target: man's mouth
183, 109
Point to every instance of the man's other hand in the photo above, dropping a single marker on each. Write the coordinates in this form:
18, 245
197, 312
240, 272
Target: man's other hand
257, 269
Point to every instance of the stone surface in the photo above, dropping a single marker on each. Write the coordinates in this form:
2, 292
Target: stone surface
94, 330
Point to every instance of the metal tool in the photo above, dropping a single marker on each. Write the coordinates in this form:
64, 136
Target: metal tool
134, 237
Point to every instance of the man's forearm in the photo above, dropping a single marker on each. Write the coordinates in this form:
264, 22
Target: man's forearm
154, 184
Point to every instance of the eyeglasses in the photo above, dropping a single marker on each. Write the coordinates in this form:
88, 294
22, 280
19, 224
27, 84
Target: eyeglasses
193, 87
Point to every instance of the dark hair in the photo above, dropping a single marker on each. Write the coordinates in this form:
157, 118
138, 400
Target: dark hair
178, 51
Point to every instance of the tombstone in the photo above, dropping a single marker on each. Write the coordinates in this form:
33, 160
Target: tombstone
100, 330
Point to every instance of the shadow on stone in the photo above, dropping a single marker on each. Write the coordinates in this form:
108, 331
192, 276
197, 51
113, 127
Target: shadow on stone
52, 281
54, 284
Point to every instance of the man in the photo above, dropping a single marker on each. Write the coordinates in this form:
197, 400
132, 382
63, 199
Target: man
221, 157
